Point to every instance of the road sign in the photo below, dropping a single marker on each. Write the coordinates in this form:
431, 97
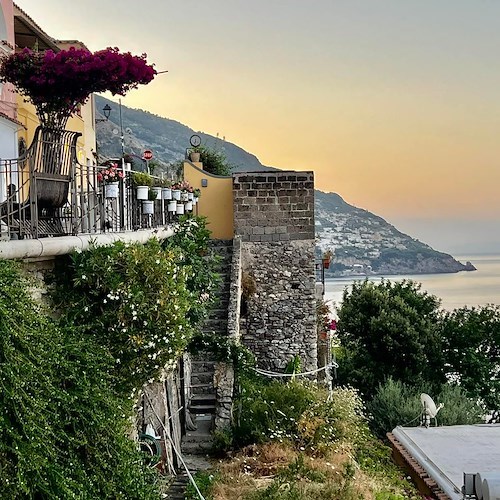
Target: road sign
148, 154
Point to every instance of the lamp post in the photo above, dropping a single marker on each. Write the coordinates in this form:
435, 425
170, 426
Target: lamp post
106, 111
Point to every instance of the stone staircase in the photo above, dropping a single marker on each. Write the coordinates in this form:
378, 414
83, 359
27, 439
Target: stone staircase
203, 400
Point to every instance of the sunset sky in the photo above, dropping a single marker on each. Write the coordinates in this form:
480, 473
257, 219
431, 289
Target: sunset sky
395, 104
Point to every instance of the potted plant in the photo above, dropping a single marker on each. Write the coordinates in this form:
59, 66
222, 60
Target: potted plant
194, 154
326, 259
142, 181
157, 188
196, 196
166, 189
110, 178
148, 204
176, 191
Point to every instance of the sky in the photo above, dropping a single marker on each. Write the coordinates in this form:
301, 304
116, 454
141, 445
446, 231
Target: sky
395, 104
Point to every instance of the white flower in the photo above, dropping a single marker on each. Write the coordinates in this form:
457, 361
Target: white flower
84, 276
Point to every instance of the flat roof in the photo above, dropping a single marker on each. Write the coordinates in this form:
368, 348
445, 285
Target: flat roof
445, 453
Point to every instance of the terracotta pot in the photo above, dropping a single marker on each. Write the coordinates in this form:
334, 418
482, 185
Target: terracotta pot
194, 157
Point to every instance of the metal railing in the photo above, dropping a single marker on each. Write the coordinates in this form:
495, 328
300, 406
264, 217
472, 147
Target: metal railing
48, 193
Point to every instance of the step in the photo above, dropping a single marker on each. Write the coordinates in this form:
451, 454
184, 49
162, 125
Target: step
202, 399
202, 378
202, 409
203, 388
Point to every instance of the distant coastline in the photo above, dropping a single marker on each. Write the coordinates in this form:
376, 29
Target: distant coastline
454, 289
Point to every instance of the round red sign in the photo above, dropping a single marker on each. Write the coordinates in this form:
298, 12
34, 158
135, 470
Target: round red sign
148, 154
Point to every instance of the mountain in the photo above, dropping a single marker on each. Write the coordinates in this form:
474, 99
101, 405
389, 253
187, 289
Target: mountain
362, 242
168, 139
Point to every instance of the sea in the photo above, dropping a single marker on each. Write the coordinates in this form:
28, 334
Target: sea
474, 288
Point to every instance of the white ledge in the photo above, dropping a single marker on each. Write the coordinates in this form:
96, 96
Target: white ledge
62, 245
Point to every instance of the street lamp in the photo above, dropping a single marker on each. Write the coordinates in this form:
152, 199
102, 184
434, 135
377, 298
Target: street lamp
106, 111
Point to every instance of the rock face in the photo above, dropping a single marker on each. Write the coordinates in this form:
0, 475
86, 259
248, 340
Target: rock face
364, 243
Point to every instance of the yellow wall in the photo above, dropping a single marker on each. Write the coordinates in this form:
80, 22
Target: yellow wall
26, 114
216, 200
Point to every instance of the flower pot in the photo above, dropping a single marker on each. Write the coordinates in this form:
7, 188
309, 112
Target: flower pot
180, 209
166, 193
184, 196
326, 263
194, 157
176, 194
188, 206
142, 192
157, 190
172, 206
190, 196
111, 190
196, 199
147, 207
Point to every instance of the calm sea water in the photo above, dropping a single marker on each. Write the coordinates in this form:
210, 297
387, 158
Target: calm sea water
475, 288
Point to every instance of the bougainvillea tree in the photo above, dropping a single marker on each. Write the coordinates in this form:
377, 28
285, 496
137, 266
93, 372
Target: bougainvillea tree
57, 83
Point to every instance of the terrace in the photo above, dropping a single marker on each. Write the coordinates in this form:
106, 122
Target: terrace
47, 193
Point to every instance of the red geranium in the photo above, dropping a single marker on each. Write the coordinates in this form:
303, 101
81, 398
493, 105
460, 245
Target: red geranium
110, 174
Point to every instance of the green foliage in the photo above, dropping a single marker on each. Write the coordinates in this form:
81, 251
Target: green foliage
338, 419
299, 411
294, 365
389, 329
141, 302
471, 339
395, 403
133, 300
141, 179
224, 350
214, 161
205, 480
191, 244
62, 428
269, 410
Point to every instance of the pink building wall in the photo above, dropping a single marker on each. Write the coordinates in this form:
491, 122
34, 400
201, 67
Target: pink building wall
7, 44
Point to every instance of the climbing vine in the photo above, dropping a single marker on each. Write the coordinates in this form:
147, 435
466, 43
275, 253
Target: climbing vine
62, 427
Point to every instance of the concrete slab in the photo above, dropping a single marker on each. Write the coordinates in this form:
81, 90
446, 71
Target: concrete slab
447, 452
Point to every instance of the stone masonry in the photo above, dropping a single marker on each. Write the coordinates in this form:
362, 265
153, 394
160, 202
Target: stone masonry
274, 216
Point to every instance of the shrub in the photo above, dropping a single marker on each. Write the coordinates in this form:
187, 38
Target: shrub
62, 427
396, 403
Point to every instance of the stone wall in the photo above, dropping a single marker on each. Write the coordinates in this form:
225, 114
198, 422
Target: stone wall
274, 206
274, 215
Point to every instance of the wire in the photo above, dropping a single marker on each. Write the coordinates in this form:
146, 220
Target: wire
269, 373
166, 432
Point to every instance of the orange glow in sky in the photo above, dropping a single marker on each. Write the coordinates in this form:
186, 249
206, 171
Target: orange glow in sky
395, 105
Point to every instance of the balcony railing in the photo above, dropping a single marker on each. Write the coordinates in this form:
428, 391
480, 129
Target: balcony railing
47, 192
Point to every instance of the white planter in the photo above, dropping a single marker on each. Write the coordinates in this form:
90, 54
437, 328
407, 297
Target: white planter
190, 196
147, 207
196, 199
184, 196
180, 209
142, 192
166, 193
111, 190
189, 206
172, 206
157, 190
176, 194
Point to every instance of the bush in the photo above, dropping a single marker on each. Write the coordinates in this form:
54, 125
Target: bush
62, 428
396, 403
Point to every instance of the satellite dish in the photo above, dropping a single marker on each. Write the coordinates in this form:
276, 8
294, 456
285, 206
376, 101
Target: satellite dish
430, 410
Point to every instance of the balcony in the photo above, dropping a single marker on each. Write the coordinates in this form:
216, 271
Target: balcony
48, 193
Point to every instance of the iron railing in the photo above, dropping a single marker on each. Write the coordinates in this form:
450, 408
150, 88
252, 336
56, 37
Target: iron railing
47, 192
